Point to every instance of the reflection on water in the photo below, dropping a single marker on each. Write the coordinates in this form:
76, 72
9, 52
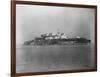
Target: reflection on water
50, 58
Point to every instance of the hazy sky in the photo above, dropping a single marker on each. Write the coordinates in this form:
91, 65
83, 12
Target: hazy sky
33, 20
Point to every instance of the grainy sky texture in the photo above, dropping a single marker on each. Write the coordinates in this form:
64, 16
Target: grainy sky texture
33, 20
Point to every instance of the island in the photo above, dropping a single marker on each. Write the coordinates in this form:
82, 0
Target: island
56, 39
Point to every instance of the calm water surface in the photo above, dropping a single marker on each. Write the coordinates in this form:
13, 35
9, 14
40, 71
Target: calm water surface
51, 58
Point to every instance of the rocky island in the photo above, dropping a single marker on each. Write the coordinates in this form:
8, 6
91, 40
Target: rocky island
56, 39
